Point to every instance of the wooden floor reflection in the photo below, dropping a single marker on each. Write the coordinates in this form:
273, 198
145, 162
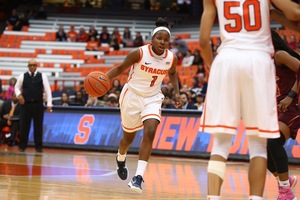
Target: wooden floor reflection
79, 175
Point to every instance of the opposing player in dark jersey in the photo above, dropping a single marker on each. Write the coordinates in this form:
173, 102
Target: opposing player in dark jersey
287, 66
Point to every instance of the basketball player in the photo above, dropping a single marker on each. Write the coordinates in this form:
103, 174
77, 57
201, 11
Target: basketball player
287, 63
241, 85
141, 97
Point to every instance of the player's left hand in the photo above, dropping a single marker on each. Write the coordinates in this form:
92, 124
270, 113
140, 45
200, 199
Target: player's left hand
284, 103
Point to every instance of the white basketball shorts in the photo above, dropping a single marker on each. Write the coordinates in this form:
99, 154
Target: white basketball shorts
135, 109
241, 86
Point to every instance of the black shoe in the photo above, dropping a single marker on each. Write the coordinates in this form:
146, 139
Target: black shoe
21, 150
122, 169
39, 150
136, 183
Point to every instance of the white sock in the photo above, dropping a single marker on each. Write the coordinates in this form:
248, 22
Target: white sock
212, 197
121, 157
141, 167
255, 198
284, 183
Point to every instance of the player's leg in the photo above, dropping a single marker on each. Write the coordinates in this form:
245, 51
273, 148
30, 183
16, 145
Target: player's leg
121, 156
217, 164
258, 166
130, 108
280, 159
150, 126
150, 115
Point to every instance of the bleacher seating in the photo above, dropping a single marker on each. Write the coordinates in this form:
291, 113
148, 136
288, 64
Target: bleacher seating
66, 63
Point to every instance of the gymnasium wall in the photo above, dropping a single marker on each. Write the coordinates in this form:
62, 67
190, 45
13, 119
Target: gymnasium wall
99, 129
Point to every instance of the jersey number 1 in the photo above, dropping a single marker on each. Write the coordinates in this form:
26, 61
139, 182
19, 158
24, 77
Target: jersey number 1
250, 8
154, 78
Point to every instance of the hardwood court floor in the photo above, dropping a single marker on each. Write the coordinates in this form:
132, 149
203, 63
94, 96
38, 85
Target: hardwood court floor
59, 174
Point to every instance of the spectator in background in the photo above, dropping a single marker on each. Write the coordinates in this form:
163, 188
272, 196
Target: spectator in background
167, 102
138, 41
127, 38
82, 35
180, 57
93, 102
201, 69
61, 35
93, 32
10, 114
293, 43
200, 102
198, 60
188, 59
23, 21
79, 99
114, 42
92, 44
72, 34
6, 107
29, 89
112, 101
116, 86
11, 88
117, 35
185, 101
13, 20
201, 86
13, 119
65, 99
104, 36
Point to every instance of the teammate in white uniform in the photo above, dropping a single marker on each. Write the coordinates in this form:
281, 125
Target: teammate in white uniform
241, 85
141, 97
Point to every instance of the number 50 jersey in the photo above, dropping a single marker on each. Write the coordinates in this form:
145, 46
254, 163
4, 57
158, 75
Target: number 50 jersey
245, 24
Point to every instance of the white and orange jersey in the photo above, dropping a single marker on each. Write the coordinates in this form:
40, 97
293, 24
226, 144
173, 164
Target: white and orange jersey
243, 24
146, 76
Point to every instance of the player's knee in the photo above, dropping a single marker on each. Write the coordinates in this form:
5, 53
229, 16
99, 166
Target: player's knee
257, 147
217, 167
273, 143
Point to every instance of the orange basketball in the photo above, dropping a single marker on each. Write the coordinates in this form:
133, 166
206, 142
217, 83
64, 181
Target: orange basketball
96, 84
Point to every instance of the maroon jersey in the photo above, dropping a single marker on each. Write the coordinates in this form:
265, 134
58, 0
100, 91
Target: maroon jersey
285, 79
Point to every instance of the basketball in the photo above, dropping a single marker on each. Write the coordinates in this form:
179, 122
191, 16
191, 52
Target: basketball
96, 84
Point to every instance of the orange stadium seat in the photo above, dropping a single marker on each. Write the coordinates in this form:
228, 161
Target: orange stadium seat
40, 51
183, 35
6, 72
25, 28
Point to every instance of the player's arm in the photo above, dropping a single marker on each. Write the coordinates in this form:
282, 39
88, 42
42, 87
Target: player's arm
130, 59
284, 58
173, 75
290, 9
206, 24
278, 16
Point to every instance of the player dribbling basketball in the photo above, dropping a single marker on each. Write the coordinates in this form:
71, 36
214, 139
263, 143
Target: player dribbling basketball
141, 97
